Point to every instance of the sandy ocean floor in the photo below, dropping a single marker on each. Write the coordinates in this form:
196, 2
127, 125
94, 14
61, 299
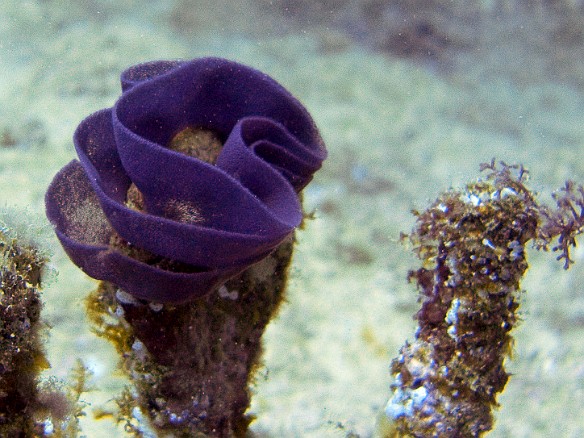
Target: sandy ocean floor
398, 130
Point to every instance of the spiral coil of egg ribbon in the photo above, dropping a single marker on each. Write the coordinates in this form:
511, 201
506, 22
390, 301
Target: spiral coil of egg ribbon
242, 207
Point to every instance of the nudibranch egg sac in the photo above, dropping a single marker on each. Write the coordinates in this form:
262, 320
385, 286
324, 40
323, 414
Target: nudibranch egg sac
199, 223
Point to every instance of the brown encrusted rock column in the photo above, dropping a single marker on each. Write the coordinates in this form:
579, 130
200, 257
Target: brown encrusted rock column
191, 364
472, 244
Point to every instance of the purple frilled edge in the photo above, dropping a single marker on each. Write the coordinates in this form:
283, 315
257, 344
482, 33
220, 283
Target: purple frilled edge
246, 204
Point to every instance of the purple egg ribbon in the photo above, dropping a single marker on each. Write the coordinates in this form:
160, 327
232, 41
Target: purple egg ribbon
246, 203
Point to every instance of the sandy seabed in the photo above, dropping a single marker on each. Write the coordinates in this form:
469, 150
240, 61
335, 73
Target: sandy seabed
398, 133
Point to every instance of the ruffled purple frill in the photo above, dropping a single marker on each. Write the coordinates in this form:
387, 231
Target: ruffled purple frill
241, 208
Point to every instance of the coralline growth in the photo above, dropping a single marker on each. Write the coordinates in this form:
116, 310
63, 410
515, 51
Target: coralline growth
29, 406
472, 247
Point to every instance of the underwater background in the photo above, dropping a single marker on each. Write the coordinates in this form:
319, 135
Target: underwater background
410, 97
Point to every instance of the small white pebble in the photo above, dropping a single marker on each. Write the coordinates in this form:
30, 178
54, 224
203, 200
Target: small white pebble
143, 424
139, 349
48, 427
506, 191
418, 396
452, 313
474, 199
156, 307
125, 297
224, 293
488, 243
516, 250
